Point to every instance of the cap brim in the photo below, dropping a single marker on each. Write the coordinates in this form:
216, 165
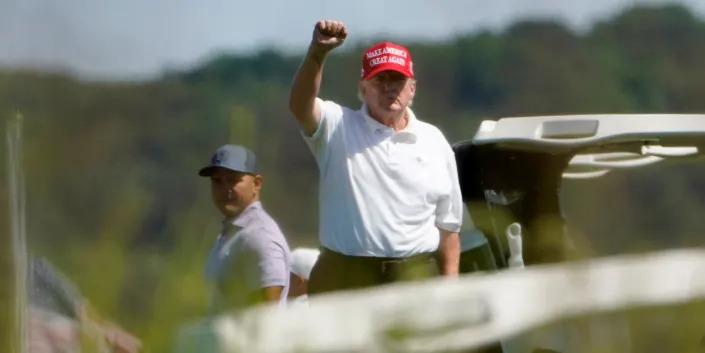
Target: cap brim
386, 68
208, 171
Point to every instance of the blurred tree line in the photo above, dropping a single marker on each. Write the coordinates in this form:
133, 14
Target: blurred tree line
115, 201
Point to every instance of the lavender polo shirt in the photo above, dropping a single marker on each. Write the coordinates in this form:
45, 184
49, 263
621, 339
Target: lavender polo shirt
249, 254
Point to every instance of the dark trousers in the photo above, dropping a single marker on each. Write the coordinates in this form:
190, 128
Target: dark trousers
334, 271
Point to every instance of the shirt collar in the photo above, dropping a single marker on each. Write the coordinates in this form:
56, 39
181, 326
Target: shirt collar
409, 133
241, 220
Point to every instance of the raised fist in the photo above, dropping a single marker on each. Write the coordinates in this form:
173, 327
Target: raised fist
328, 35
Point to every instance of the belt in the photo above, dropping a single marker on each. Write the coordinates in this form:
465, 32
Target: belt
382, 264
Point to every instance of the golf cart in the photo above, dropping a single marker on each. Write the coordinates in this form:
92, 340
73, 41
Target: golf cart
511, 174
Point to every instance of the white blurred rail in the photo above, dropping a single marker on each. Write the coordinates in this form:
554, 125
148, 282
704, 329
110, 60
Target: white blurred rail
461, 313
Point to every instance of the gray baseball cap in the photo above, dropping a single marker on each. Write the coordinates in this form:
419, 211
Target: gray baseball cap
233, 157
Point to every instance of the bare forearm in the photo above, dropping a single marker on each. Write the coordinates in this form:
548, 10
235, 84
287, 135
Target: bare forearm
448, 253
305, 88
272, 294
327, 35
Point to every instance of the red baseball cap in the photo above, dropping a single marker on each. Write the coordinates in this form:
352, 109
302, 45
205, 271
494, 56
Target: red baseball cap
386, 56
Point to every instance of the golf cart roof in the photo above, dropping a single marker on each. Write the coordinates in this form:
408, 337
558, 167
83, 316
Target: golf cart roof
600, 143
570, 132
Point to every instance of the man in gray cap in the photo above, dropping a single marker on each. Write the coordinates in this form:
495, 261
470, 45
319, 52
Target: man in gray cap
250, 260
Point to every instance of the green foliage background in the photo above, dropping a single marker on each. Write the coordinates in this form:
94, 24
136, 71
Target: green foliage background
114, 198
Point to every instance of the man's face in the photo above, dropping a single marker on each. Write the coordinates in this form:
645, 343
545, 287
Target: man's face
387, 93
233, 191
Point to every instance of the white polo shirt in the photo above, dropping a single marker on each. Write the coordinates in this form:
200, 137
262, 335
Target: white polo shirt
383, 193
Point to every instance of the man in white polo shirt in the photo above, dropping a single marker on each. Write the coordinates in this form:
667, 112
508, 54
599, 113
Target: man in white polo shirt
389, 195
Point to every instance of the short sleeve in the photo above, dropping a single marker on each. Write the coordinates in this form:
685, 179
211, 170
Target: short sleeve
319, 141
266, 263
449, 211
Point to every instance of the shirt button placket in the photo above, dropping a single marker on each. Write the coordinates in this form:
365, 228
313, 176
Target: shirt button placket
392, 146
